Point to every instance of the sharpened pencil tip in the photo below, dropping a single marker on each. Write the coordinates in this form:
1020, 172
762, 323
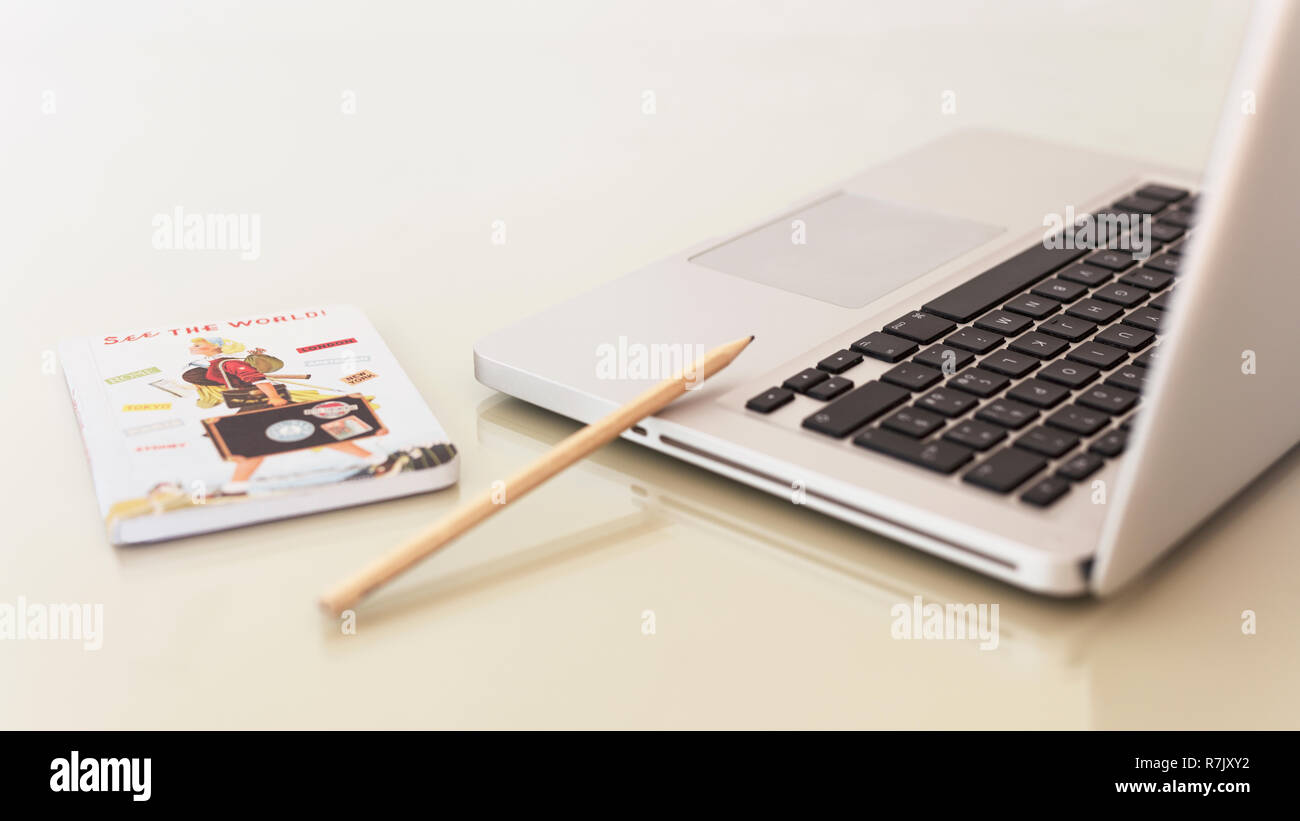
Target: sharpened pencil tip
751, 337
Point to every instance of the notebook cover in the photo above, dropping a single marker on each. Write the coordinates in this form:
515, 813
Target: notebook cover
170, 458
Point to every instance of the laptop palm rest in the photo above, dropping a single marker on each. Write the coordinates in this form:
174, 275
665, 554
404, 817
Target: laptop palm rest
847, 250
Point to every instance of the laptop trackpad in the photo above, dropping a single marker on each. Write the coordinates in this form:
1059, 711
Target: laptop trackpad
847, 250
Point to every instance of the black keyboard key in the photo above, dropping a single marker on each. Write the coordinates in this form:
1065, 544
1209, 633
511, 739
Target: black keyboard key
1126, 295
831, 388
1045, 491
1099, 356
915, 422
804, 380
1161, 302
1087, 275
1110, 399
976, 434
1070, 374
1038, 393
1147, 279
1166, 227
1110, 445
912, 376
1136, 203
1008, 413
947, 401
1050, 442
770, 399
974, 340
1143, 246
1179, 217
1131, 219
1082, 421
946, 359
1009, 363
1165, 232
856, 408
1125, 336
1147, 360
1035, 307
1147, 318
1129, 377
1094, 310
884, 346
919, 326
1080, 466
1127, 424
840, 361
1003, 322
1069, 328
1113, 260
940, 456
1108, 225
1164, 193
1005, 470
1039, 345
980, 382
977, 295
1168, 263
1059, 289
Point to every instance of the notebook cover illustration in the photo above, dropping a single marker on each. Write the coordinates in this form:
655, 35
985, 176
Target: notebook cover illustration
197, 427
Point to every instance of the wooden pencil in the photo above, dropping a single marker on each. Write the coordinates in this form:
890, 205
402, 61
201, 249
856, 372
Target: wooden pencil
580, 444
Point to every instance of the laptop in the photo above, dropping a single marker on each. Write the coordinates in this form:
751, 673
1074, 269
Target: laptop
1046, 364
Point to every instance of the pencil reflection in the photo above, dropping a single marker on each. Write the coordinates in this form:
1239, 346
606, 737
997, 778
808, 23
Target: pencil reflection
535, 560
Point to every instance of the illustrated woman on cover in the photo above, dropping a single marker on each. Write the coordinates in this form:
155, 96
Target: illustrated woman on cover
224, 372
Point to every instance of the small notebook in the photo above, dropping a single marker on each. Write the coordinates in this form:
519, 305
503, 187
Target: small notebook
194, 427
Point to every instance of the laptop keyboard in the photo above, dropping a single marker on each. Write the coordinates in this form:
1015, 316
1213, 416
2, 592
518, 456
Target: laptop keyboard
1031, 370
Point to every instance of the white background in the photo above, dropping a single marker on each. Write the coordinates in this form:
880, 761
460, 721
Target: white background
468, 113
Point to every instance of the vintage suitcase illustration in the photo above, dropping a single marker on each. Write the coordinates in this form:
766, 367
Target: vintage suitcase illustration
299, 426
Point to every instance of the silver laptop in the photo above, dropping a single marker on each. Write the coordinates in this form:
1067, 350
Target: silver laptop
1046, 364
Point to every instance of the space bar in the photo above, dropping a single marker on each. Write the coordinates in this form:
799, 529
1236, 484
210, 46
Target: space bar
1006, 279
